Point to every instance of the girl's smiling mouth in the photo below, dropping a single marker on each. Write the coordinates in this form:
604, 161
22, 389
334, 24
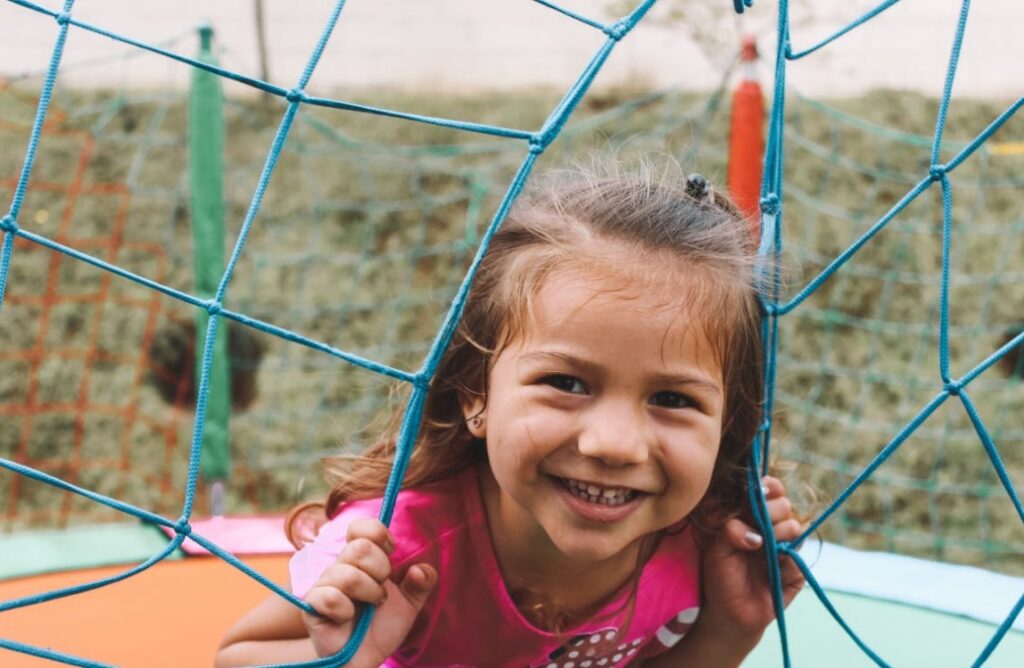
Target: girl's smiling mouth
597, 504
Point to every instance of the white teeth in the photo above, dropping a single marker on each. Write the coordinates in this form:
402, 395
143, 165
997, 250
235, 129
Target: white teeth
612, 496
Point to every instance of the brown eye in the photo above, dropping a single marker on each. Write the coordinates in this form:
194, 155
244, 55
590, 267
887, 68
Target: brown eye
565, 383
671, 400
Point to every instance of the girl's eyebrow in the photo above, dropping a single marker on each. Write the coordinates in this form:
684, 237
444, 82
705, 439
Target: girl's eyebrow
698, 380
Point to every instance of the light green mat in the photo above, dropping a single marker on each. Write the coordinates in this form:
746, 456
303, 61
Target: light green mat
34, 552
902, 635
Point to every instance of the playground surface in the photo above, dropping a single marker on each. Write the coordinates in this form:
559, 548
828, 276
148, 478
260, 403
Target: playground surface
174, 614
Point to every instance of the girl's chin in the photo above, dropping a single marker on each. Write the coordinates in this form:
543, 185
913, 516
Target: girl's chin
584, 547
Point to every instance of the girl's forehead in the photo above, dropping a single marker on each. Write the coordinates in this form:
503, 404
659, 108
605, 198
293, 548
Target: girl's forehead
651, 284
663, 308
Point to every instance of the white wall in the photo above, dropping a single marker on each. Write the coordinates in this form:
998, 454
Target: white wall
459, 45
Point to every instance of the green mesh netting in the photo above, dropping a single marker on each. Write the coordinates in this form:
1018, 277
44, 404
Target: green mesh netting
858, 359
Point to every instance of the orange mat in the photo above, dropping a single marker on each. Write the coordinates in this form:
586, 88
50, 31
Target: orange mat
171, 616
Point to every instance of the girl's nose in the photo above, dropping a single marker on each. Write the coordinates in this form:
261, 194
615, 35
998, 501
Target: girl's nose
618, 437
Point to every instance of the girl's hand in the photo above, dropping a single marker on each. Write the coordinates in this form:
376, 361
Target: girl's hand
361, 575
737, 596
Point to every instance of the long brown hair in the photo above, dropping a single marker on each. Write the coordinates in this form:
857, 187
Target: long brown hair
649, 210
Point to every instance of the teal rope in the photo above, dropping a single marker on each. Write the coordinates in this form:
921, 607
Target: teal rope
823, 597
842, 31
571, 14
9, 223
59, 657
947, 90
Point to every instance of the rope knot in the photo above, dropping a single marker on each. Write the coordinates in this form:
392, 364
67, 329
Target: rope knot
953, 387
214, 307
770, 204
537, 143
7, 224
295, 95
63, 18
617, 30
182, 527
937, 172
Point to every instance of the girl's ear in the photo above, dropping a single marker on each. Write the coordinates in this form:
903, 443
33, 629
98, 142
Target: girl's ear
474, 411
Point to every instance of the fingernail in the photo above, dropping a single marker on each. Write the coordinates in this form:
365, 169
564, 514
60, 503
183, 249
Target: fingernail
765, 490
753, 539
383, 599
389, 545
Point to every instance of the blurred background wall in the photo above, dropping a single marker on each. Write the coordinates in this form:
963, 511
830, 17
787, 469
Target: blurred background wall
472, 45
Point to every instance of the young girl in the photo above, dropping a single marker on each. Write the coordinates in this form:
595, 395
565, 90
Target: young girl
577, 494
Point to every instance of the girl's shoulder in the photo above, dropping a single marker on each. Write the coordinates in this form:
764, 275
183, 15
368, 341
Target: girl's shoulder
422, 515
426, 519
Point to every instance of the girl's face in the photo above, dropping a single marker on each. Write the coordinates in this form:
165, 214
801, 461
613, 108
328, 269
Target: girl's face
603, 420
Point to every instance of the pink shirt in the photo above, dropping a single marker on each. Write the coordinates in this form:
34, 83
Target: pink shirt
470, 618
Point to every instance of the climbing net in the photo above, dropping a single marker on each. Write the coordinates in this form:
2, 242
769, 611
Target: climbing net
399, 225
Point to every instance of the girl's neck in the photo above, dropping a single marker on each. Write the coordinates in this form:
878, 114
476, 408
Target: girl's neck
530, 562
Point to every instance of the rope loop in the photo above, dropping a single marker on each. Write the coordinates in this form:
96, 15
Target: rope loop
936, 172
8, 224
616, 30
295, 95
214, 307
769, 204
63, 18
